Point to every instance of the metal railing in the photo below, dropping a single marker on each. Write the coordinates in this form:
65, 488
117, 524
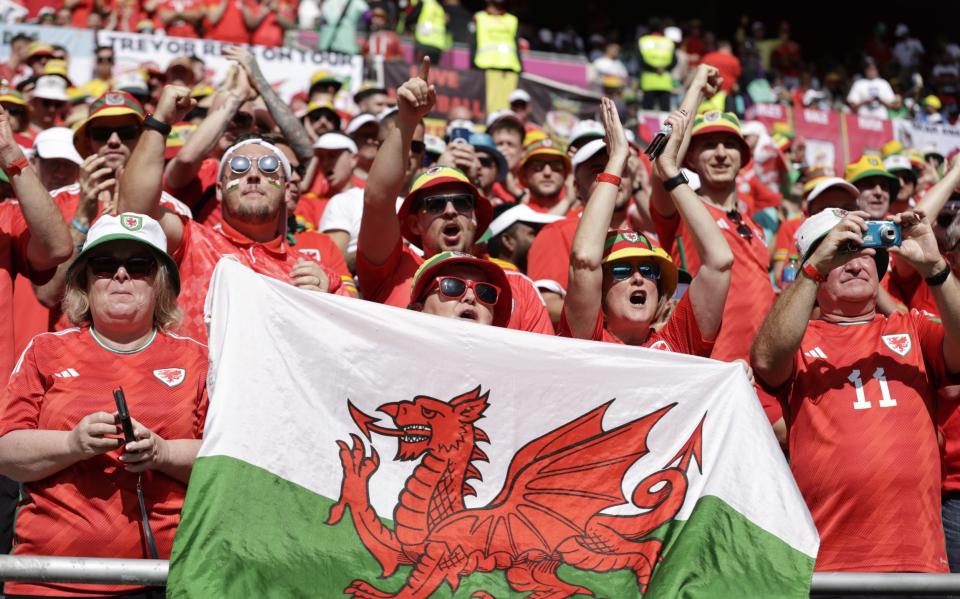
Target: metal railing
153, 572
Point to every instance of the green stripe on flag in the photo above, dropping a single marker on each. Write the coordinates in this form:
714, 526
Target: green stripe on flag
250, 533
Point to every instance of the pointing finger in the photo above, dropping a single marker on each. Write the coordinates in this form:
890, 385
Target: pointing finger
425, 69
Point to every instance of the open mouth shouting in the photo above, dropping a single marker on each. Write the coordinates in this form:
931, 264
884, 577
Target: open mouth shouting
638, 297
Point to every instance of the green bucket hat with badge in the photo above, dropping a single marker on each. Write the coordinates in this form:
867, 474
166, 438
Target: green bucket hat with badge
132, 227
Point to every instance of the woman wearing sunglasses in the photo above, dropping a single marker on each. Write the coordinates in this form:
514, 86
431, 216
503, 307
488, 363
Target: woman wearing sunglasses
620, 283
457, 285
60, 433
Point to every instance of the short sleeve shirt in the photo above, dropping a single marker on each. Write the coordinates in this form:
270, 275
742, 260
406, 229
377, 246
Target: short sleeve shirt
344, 213
871, 91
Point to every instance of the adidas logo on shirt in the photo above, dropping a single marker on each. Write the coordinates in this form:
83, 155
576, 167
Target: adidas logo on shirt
816, 353
69, 373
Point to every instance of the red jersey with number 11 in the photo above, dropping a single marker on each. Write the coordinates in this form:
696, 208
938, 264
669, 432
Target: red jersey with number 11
863, 447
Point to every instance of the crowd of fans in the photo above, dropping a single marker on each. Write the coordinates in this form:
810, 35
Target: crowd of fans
120, 199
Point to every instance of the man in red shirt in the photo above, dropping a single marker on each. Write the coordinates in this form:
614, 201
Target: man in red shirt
858, 390
224, 21
543, 171
716, 153
724, 61
443, 211
250, 188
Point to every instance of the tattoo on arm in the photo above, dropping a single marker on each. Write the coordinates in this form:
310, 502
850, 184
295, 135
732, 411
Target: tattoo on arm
291, 127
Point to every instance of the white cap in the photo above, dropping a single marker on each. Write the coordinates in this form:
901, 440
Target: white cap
434, 144
56, 142
753, 128
359, 121
518, 95
674, 34
897, 162
387, 112
51, 87
831, 182
131, 81
523, 214
493, 117
588, 151
586, 127
335, 141
815, 228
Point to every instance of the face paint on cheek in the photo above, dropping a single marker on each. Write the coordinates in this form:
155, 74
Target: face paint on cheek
233, 187
276, 184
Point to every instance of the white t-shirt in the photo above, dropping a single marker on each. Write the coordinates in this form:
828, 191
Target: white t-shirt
343, 213
873, 92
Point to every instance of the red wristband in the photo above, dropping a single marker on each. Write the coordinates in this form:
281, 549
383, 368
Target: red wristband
813, 273
16, 167
608, 178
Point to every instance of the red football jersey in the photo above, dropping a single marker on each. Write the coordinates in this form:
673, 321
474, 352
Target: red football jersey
200, 193
201, 249
863, 447
231, 27
320, 248
90, 509
786, 239
681, 334
750, 296
905, 284
391, 282
548, 261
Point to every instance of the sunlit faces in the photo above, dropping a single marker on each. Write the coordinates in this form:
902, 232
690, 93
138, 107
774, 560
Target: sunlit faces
510, 143
120, 283
544, 175
851, 285
631, 297
585, 179
875, 195
114, 138
716, 158
45, 112
474, 303
253, 196
336, 166
450, 227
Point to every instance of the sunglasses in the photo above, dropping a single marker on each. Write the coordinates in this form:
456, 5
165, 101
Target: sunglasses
742, 229
462, 203
555, 165
486, 161
52, 104
125, 133
105, 59
647, 270
455, 288
267, 164
15, 111
136, 266
241, 120
417, 147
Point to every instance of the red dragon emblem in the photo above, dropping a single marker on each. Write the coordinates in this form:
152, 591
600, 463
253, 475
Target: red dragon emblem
546, 515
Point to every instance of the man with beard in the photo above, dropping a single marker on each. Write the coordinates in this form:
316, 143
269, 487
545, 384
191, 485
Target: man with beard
442, 211
512, 232
251, 186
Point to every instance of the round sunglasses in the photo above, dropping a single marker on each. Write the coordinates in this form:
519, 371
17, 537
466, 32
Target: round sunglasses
267, 164
647, 270
455, 288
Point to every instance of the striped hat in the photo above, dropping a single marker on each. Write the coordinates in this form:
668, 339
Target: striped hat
324, 78
12, 96
177, 138
112, 103
623, 245
547, 149
431, 269
437, 175
721, 122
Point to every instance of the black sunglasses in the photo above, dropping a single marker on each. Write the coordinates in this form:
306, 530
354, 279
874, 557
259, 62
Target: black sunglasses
105, 59
742, 229
455, 288
462, 203
136, 266
125, 133
15, 111
52, 104
268, 164
417, 147
486, 161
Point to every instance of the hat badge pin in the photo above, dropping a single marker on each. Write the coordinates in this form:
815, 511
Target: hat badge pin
171, 377
433, 170
898, 344
631, 236
113, 99
131, 222
711, 116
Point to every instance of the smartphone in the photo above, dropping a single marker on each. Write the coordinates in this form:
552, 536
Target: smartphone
659, 142
460, 135
124, 413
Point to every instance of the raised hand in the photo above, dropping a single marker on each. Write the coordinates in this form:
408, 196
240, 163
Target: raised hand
708, 79
174, 104
10, 151
616, 139
833, 250
919, 245
416, 97
665, 166
244, 58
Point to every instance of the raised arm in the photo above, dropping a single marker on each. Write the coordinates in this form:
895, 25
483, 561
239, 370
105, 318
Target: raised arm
932, 202
708, 291
379, 228
185, 166
142, 180
50, 242
585, 288
782, 331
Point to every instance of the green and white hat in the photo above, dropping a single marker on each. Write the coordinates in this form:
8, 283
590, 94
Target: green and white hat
133, 227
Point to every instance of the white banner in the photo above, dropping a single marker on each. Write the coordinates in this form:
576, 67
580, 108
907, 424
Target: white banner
945, 138
77, 42
287, 69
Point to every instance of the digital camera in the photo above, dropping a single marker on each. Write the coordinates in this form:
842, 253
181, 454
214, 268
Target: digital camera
882, 234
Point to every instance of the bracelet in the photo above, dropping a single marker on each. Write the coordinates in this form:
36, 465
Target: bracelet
811, 272
608, 178
79, 226
160, 127
938, 279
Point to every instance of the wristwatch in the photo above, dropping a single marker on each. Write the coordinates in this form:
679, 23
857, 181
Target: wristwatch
16, 167
152, 123
675, 181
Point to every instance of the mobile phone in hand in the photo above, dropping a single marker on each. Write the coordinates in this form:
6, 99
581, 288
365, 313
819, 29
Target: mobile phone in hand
659, 142
124, 415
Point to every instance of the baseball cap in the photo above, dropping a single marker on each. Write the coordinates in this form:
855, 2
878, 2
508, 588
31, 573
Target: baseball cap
56, 142
815, 228
433, 176
588, 151
897, 162
622, 245
366, 90
482, 142
324, 78
51, 87
335, 141
521, 213
39, 48
585, 129
12, 96
133, 227
721, 122
545, 148
891, 147
359, 121
432, 267
434, 144
499, 115
112, 103
870, 165
825, 183
933, 102
518, 95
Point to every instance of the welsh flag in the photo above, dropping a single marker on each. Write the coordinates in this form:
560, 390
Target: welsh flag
359, 450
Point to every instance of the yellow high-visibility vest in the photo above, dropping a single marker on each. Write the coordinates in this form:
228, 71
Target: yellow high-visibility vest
497, 42
657, 51
432, 25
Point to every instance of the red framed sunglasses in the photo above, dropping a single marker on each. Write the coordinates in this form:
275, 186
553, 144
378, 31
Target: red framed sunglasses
455, 288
